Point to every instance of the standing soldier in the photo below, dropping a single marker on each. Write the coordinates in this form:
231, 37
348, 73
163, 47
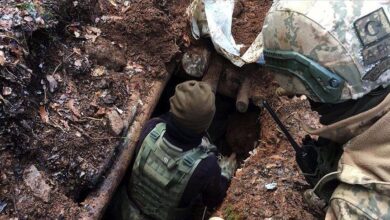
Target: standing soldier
176, 168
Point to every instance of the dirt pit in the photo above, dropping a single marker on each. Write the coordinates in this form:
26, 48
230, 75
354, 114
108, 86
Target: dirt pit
75, 76
272, 164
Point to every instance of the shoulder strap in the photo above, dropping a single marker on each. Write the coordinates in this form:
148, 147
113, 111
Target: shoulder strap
149, 143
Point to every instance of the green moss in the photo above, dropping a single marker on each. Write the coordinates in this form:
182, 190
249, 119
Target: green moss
230, 214
29, 6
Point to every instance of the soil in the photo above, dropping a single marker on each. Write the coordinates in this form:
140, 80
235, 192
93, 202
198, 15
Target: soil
85, 70
248, 18
272, 161
66, 87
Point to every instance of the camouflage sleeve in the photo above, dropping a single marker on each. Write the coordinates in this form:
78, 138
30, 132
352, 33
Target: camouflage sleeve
353, 202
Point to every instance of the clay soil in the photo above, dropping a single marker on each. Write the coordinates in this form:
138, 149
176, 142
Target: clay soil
87, 69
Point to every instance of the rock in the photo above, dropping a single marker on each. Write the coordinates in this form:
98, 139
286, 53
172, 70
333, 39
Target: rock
99, 71
271, 186
195, 61
115, 122
2, 206
52, 83
7, 91
103, 84
109, 99
2, 58
33, 179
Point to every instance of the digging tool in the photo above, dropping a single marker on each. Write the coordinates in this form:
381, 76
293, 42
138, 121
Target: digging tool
306, 156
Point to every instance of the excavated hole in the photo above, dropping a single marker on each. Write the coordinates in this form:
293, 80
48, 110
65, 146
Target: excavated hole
230, 130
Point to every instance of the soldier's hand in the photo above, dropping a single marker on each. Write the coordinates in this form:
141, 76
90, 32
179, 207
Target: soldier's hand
228, 165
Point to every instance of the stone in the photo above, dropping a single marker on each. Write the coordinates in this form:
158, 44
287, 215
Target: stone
34, 179
115, 122
195, 61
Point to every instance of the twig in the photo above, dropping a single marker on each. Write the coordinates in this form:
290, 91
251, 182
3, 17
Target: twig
58, 66
81, 131
6, 102
95, 119
14, 202
92, 138
56, 126
6, 36
25, 68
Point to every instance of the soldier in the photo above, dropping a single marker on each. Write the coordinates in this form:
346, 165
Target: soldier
337, 53
176, 167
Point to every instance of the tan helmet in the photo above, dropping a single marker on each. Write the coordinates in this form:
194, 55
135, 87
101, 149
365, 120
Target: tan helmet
331, 51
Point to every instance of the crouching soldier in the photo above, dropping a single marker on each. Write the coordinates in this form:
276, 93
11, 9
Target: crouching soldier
176, 168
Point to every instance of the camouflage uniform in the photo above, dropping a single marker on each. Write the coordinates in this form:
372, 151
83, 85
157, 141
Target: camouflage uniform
336, 48
352, 40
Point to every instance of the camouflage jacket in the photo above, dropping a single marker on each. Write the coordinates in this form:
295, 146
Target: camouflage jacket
364, 167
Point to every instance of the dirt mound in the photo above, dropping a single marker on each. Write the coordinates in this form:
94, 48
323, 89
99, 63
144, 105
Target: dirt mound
84, 72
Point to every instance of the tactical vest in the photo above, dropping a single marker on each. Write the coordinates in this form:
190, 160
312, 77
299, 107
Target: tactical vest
160, 175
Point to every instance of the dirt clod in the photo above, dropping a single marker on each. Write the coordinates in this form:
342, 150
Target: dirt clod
34, 179
107, 54
116, 122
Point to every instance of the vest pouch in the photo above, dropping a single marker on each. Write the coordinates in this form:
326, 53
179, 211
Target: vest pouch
154, 170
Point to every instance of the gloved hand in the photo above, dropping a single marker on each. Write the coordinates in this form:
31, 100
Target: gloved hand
228, 165
211, 148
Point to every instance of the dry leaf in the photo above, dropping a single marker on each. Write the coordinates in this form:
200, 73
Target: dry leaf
77, 50
7, 91
106, 18
40, 21
2, 58
76, 34
271, 165
101, 112
72, 107
276, 157
93, 33
52, 83
55, 106
77, 63
44, 115
28, 19
91, 37
99, 71
95, 30
113, 3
